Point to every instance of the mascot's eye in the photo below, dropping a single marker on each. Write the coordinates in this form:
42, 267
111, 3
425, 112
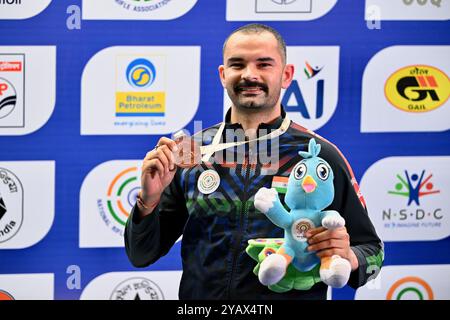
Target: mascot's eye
300, 171
322, 171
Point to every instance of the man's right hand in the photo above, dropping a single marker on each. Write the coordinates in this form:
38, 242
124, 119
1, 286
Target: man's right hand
158, 170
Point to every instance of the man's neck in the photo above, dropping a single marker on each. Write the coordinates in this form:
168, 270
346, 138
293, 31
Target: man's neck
250, 121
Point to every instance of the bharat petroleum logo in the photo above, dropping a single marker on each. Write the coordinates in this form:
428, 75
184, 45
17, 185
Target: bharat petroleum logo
417, 88
141, 73
414, 187
122, 195
410, 288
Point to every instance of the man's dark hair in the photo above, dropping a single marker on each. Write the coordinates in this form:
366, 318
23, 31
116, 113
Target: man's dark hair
259, 28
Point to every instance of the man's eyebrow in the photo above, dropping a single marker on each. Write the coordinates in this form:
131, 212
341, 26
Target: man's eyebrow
234, 59
238, 59
265, 59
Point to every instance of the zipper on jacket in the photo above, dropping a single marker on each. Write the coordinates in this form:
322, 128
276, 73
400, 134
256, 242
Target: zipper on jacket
240, 233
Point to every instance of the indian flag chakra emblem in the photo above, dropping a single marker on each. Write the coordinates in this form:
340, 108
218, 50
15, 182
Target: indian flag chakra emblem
208, 181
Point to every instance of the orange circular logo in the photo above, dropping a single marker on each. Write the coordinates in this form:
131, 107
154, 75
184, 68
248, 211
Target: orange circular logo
410, 288
5, 296
417, 88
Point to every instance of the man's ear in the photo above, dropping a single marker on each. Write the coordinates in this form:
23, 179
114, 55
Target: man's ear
222, 74
288, 75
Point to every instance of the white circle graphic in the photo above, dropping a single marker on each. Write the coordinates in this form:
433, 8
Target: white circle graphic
208, 181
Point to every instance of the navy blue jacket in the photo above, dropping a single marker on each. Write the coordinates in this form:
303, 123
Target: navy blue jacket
217, 226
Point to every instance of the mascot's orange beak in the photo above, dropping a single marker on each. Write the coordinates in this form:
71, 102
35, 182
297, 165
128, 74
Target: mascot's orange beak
309, 185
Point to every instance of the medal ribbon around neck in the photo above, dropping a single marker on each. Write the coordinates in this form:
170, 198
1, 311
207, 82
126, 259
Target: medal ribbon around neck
209, 150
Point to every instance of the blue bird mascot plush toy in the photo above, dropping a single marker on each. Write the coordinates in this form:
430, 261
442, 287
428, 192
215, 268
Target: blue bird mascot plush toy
284, 264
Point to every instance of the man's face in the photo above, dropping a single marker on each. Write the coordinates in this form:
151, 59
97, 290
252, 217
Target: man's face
253, 72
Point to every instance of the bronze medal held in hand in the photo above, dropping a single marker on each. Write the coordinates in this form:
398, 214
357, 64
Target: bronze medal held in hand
188, 154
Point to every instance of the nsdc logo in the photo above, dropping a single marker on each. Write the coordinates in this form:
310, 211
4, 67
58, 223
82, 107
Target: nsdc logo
405, 187
407, 197
417, 88
414, 187
141, 73
410, 288
137, 289
120, 199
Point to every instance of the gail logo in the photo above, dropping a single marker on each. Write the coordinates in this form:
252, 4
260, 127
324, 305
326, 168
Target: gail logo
406, 89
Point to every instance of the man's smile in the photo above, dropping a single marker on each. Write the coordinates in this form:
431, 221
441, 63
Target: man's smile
251, 89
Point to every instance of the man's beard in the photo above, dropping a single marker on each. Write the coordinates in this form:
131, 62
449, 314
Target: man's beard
251, 105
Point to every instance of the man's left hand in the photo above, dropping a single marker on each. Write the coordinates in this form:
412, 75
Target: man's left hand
330, 242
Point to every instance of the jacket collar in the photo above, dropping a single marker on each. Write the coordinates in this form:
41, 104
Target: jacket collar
268, 126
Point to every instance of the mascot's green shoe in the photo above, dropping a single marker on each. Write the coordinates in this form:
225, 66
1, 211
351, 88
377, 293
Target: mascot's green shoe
259, 249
